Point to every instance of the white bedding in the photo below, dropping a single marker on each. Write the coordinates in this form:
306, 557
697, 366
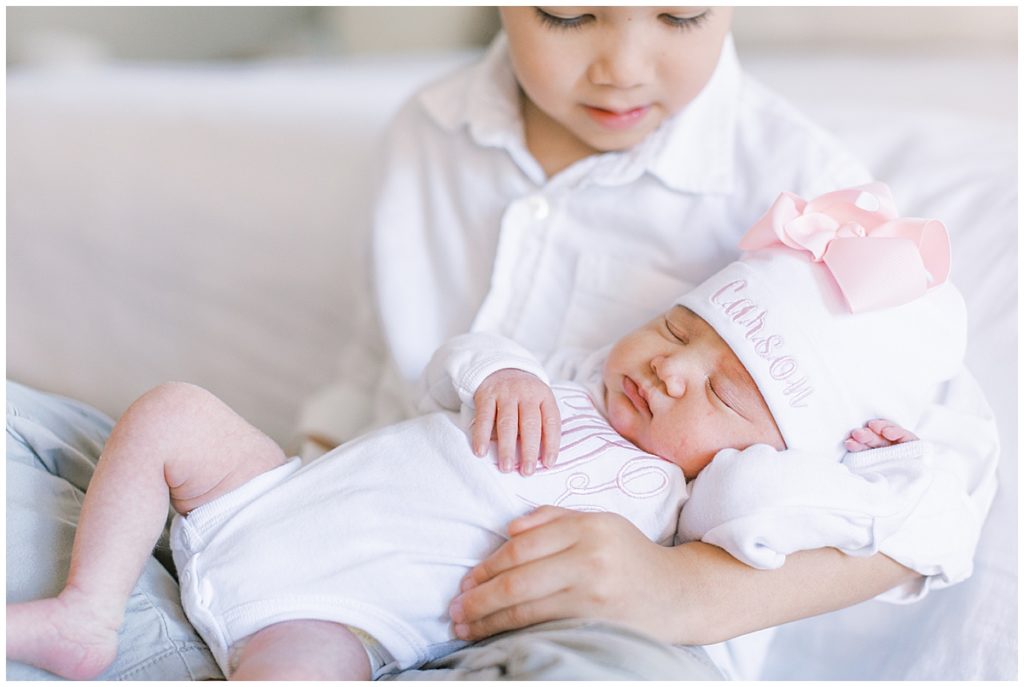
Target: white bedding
207, 223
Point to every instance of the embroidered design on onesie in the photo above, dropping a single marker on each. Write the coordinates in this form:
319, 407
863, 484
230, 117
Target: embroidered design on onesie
597, 470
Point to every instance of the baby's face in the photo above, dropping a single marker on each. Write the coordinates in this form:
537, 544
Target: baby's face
675, 389
606, 77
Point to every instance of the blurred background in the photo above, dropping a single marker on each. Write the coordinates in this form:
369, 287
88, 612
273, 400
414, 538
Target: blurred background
80, 35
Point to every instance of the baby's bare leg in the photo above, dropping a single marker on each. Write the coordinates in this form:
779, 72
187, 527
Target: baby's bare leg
303, 650
176, 444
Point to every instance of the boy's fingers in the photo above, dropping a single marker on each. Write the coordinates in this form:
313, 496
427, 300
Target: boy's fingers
507, 424
536, 518
557, 605
527, 545
529, 438
483, 426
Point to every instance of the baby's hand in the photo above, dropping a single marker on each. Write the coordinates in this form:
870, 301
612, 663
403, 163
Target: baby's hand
511, 405
877, 434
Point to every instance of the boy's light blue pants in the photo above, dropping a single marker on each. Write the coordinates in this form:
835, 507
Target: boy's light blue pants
53, 444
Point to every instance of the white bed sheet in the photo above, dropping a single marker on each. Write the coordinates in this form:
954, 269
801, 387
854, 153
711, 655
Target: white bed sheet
209, 224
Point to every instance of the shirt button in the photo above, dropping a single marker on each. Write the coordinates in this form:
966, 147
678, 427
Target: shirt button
539, 207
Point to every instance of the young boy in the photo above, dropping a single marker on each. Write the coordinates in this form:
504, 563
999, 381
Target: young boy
343, 568
558, 192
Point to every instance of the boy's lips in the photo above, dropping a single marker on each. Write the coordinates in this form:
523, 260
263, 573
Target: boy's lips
617, 119
635, 395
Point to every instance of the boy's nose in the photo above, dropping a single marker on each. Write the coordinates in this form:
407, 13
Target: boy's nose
622, 65
671, 373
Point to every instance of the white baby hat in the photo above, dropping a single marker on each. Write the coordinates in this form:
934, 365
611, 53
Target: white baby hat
841, 313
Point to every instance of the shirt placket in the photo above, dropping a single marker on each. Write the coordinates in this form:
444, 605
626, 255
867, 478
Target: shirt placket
519, 251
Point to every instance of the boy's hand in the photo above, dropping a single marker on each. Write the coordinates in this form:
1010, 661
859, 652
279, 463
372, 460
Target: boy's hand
877, 434
515, 406
559, 563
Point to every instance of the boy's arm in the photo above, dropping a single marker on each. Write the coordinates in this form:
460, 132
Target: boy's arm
561, 564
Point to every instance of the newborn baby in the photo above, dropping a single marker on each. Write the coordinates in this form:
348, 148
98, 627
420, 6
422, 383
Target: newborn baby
344, 568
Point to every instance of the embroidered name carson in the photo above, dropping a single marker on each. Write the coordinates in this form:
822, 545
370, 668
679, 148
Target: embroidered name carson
769, 347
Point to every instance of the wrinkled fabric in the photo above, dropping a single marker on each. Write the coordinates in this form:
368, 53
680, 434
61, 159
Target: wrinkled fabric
569, 650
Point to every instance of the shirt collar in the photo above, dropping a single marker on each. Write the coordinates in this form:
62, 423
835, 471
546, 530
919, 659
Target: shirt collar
691, 152
485, 99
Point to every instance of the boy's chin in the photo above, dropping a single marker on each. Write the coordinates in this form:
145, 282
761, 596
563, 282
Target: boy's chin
616, 143
607, 141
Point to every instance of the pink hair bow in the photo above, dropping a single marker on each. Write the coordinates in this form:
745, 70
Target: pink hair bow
878, 259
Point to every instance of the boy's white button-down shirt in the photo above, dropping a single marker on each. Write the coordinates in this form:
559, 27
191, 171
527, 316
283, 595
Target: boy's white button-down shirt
469, 234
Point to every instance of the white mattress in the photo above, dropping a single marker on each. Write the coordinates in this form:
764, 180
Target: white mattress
208, 223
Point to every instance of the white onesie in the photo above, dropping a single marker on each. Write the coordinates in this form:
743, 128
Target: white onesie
378, 533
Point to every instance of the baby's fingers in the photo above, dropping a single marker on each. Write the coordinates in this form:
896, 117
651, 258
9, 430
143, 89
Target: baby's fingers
868, 438
877, 434
854, 446
552, 431
483, 425
508, 435
891, 432
529, 438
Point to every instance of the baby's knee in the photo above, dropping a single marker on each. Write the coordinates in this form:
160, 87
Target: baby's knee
169, 398
166, 406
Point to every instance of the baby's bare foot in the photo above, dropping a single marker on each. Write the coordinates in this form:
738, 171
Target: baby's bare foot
62, 635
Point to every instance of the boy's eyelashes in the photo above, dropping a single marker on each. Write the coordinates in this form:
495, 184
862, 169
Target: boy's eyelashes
683, 22
557, 22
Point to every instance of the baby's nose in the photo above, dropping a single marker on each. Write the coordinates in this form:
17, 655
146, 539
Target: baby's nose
670, 372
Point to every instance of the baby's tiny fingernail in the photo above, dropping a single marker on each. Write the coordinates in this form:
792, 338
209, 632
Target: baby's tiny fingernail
528, 469
455, 610
461, 631
466, 584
